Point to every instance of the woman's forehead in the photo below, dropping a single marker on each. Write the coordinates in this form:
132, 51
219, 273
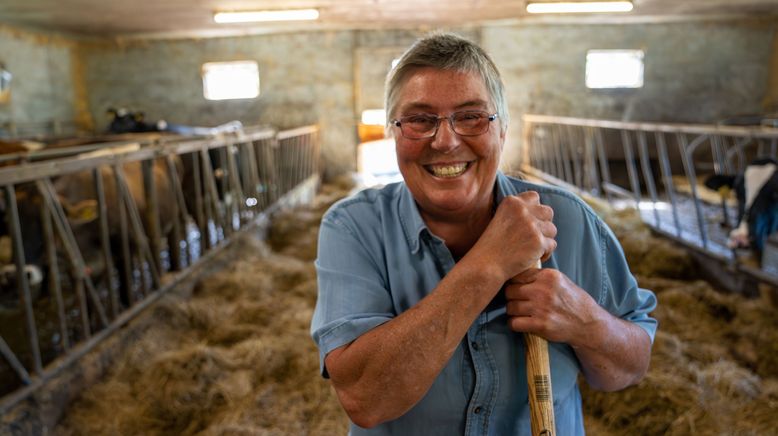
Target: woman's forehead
434, 89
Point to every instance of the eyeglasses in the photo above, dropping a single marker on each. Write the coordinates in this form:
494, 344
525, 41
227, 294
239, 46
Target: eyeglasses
465, 123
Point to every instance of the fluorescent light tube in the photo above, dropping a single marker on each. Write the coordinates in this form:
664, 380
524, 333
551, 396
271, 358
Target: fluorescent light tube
260, 16
578, 7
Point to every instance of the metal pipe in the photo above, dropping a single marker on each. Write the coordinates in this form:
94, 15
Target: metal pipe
136, 226
125, 264
664, 166
631, 168
55, 287
54, 370
178, 207
105, 242
25, 296
14, 362
648, 175
71, 246
684, 148
200, 214
604, 169
151, 216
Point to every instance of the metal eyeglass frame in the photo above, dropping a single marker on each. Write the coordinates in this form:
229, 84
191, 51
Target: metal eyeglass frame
490, 117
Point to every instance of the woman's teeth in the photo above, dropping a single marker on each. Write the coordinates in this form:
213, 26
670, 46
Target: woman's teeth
448, 170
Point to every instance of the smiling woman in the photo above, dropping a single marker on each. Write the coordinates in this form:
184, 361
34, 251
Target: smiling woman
424, 285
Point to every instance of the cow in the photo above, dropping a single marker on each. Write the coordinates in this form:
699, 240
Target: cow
757, 194
14, 151
33, 268
78, 192
77, 196
126, 121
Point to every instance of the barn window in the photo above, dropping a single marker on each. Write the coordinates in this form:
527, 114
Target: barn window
230, 80
375, 117
614, 69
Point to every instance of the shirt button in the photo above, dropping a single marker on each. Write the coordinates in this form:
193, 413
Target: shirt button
477, 410
474, 344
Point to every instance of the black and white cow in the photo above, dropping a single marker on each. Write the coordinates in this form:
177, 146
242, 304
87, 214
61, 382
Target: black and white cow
126, 121
757, 194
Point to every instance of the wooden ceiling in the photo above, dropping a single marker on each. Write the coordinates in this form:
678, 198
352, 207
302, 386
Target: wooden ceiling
171, 18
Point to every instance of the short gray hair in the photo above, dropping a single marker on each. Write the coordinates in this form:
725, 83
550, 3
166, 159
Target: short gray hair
446, 51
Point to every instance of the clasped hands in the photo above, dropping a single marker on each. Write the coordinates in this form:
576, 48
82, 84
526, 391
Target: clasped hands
540, 301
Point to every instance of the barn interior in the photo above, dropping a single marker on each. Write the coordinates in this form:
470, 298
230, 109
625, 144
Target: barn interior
207, 332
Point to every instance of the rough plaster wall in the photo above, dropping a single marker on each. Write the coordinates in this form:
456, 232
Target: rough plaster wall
374, 53
305, 78
770, 103
42, 88
694, 72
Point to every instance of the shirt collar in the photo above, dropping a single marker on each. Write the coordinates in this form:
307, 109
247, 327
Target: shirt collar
413, 224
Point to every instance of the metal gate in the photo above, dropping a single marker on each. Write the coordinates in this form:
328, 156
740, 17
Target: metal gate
656, 167
148, 212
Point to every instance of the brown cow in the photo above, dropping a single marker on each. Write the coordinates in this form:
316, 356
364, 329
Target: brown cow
77, 196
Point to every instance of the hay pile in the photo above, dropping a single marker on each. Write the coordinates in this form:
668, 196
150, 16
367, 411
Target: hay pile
295, 232
714, 366
233, 358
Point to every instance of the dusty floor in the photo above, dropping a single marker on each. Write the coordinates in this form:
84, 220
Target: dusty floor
217, 365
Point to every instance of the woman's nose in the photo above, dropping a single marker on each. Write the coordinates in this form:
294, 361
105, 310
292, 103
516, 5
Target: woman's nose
445, 139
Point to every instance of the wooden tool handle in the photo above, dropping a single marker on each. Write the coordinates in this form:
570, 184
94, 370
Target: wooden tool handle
541, 399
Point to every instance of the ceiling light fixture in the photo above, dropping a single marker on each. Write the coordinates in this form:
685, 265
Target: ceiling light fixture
578, 7
263, 16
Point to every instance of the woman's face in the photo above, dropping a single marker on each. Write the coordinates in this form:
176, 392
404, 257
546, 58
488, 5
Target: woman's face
448, 174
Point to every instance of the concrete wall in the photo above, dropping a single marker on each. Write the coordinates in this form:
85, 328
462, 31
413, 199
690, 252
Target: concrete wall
694, 72
42, 88
373, 55
305, 78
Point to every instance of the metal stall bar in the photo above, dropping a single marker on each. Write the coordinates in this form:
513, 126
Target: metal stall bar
239, 199
648, 176
575, 156
727, 143
590, 161
14, 362
136, 225
603, 159
559, 172
125, 265
54, 283
632, 171
21, 277
667, 176
71, 247
148, 167
211, 198
687, 151
199, 206
248, 179
105, 242
303, 162
179, 217
566, 152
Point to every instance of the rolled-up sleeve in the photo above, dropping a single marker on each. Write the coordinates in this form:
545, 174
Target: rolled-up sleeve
353, 297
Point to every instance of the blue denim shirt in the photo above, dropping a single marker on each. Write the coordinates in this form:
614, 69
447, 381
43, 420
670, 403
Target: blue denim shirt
377, 259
